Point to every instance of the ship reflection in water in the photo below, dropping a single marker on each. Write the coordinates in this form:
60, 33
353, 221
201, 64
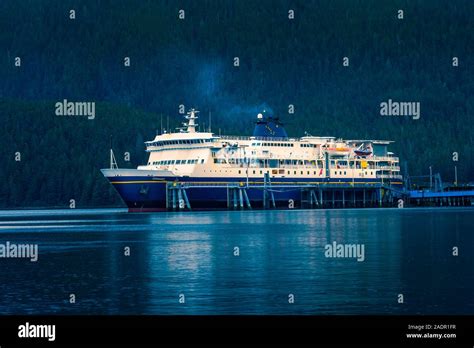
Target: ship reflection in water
231, 262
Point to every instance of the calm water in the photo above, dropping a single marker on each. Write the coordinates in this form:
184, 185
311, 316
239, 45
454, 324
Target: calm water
407, 251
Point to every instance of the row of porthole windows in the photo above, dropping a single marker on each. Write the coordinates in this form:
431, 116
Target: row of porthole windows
178, 142
268, 172
173, 162
289, 172
273, 144
340, 173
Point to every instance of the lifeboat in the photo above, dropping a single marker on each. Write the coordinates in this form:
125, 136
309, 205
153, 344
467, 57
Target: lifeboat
364, 152
338, 150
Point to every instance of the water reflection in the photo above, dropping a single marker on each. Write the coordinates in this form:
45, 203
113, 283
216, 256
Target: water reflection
280, 252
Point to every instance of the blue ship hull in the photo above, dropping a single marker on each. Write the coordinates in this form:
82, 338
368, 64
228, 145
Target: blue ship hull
151, 194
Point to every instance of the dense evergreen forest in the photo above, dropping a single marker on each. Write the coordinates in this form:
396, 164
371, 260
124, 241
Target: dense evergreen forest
190, 61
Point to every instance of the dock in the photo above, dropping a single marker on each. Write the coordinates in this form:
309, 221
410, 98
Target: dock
320, 195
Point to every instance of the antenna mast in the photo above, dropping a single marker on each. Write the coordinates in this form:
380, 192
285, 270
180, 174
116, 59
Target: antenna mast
191, 117
113, 162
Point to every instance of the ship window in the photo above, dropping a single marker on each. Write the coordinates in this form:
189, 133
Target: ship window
288, 172
314, 173
295, 171
254, 171
260, 172
344, 173
308, 172
240, 172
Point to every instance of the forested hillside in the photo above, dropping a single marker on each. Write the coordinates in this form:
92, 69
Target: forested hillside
282, 61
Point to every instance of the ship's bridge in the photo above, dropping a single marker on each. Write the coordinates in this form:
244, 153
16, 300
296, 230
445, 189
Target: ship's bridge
187, 138
173, 141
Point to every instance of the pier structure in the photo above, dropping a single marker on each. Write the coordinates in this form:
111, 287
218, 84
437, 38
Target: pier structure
321, 195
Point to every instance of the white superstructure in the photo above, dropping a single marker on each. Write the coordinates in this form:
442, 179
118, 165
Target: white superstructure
190, 153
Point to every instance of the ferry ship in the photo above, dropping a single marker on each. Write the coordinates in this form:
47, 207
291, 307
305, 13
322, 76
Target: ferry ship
206, 167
